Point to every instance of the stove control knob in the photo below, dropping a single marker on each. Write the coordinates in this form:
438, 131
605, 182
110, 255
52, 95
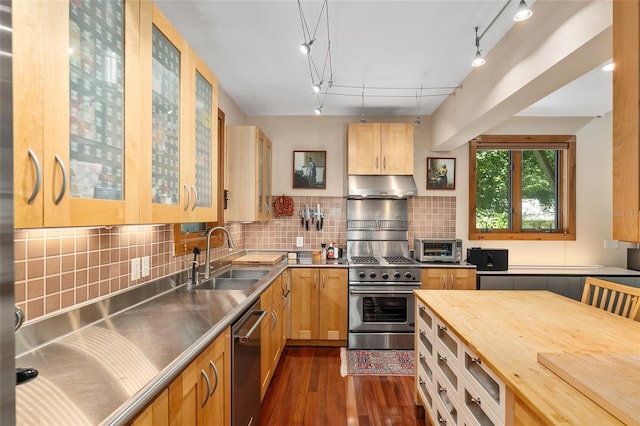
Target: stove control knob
372, 275
361, 275
396, 275
408, 275
385, 276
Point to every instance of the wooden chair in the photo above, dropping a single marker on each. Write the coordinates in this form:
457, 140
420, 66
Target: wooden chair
616, 298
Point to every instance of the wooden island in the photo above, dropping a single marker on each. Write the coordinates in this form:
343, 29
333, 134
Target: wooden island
480, 355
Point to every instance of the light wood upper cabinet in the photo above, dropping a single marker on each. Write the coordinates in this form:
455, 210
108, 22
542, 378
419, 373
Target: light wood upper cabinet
380, 149
179, 129
448, 279
249, 162
318, 304
76, 72
626, 121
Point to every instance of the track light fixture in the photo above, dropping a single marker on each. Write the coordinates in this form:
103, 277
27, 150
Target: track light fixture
317, 87
479, 59
417, 121
305, 48
524, 12
362, 119
318, 110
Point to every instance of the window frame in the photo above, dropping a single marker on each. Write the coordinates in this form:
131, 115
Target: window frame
566, 144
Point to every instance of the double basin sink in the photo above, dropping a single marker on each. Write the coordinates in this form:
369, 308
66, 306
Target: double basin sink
233, 279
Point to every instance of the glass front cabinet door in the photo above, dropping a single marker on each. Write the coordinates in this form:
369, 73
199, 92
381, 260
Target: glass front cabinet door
75, 76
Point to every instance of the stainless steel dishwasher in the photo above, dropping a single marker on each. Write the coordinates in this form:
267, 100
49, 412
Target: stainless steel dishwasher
245, 367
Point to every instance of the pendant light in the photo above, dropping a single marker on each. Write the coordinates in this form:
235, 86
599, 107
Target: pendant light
362, 119
524, 12
479, 60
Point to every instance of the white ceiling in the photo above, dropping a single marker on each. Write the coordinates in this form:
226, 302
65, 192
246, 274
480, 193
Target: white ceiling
253, 48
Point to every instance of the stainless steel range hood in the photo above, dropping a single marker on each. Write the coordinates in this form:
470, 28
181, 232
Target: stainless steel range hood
381, 186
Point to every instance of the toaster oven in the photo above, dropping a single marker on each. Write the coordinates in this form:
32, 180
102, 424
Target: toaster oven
437, 250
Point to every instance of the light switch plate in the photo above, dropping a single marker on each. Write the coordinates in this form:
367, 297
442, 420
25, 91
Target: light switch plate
135, 269
145, 266
299, 241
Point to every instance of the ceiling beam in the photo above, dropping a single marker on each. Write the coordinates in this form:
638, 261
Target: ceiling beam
563, 41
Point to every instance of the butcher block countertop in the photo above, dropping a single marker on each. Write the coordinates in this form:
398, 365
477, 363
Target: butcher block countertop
509, 329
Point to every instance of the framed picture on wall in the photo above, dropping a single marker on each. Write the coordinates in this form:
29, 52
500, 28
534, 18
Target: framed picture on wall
441, 173
309, 169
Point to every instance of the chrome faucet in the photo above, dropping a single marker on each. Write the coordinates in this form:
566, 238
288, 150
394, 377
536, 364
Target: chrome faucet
207, 266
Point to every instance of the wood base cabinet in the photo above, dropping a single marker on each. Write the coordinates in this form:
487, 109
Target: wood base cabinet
273, 327
318, 304
156, 414
448, 279
201, 395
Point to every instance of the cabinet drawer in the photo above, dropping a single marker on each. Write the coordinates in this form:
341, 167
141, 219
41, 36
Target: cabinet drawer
425, 389
448, 342
488, 386
425, 319
475, 408
447, 370
425, 364
425, 341
445, 415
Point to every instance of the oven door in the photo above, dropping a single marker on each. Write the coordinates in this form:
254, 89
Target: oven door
381, 308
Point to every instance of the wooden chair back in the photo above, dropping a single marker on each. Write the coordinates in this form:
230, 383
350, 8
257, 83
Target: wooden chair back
616, 298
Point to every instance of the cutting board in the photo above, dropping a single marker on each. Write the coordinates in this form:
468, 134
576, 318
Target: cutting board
610, 380
258, 259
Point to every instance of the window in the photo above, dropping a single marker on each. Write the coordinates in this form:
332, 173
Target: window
522, 187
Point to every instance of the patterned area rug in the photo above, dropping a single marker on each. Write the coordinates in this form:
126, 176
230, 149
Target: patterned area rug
376, 362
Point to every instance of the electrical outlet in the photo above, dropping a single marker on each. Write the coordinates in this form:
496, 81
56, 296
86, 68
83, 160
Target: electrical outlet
145, 266
611, 244
299, 241
135, 269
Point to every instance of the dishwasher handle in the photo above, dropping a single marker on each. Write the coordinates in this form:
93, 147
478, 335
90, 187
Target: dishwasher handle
252, 322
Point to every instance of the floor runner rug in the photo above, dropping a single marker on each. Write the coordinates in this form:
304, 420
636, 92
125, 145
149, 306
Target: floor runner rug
376, 362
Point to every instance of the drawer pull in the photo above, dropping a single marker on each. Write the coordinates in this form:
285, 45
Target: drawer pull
423, 308
422, 382
476, 360
475, 400
442, 389
442, 327
442, 420
422, 357
422, 332
442, 358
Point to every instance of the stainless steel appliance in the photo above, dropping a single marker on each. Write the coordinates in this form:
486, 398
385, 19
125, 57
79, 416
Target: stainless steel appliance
245, 368
437, 250
382, 276
7, 309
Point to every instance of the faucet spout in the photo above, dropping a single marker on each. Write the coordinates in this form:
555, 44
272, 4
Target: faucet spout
207, 266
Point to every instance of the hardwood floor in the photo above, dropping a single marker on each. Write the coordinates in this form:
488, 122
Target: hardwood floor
307, 389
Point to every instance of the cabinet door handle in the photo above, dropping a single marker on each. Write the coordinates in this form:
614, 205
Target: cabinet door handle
453, 280
274, 315
186, 189
206, 380
36, 187
315, 280
64, 180
384, 162
377, 163
324, 281
215, 374
444, 282
195, 197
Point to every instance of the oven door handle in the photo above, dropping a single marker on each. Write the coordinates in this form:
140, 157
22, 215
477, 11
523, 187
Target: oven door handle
381, 292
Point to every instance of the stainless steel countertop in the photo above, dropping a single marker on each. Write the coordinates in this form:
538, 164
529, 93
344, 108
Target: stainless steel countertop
108, 370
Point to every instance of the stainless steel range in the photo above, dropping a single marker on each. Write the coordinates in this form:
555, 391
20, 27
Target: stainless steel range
382, 276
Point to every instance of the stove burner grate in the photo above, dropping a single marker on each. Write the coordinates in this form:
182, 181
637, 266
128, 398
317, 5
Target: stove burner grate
397, 260
364, 260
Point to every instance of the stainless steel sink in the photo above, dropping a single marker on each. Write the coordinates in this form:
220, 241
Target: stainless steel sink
221, 283
243, 273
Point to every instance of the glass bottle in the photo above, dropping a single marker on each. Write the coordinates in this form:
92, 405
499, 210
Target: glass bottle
323, 253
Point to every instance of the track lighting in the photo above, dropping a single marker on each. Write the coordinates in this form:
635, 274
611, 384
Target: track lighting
479, 59
417, 121
362, 120
317, 87
524, 12
318, 111
305, 48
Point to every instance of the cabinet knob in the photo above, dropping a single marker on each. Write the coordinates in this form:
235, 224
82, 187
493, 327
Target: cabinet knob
442, 327
476, 360
475, 400
442, 358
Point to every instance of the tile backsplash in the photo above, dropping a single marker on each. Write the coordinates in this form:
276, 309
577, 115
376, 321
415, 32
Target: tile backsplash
56, 269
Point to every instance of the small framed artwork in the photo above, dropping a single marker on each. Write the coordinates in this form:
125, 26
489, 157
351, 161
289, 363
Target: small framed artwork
441, 173
309, 169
